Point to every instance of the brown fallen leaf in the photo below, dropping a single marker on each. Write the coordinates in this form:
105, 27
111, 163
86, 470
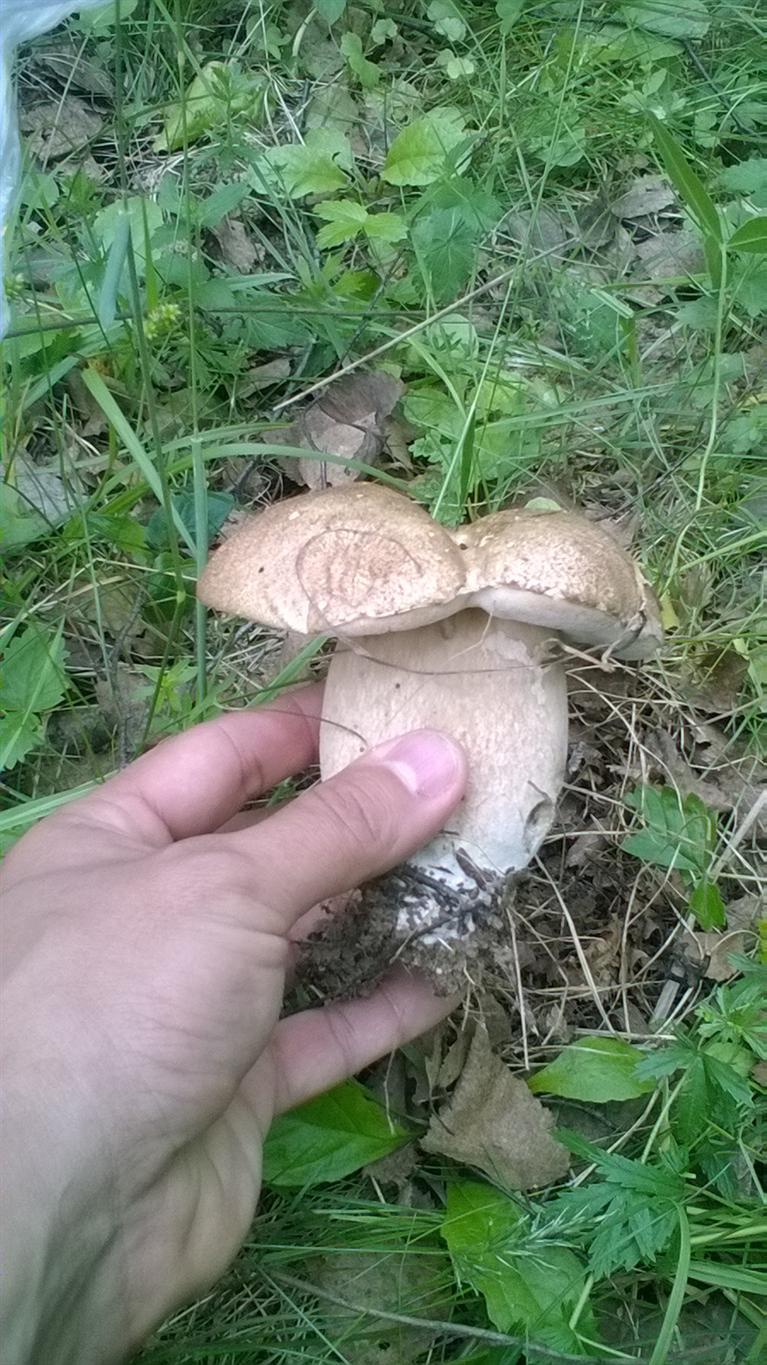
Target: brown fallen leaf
346, 420
56, 128
401, 1284
236, 248
645, 196
669, 255
711, 952
494, 1123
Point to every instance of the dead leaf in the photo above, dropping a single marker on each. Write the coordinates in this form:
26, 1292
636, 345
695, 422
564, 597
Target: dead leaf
710, 952
264, 376
722, 785
57, 128
40, 489
759, 1074
585, 848
543, 231
66, 59
346, 420
646, 195
668, 255
746, 911
494, 1123
715, 687
236, 247
395, 1282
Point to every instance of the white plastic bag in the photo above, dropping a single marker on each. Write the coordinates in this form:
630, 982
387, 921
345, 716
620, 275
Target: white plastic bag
19, 21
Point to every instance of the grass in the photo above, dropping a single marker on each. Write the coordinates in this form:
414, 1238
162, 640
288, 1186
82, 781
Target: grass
552, 344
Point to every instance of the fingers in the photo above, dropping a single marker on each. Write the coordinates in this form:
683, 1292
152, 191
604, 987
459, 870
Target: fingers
312, 1051
195, 782
366, 819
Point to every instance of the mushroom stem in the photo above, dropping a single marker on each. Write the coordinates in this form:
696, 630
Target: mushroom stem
486, 682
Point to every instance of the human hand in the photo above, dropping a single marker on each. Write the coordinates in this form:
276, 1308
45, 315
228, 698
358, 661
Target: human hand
146, 946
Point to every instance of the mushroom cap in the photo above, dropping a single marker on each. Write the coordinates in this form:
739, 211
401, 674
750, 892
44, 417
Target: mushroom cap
346, 560
558, 569
366, 560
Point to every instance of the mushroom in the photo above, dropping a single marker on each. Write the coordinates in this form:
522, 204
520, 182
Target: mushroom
446, 628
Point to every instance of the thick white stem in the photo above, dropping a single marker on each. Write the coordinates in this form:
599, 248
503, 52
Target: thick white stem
482, 680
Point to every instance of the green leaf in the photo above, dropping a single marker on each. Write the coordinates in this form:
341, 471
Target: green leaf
598, 1070
103, 17
367, 73
215, 93
688, 19
508, 12
344, 218
219, 505
421, 153
20, 524
329, 1138
443, 241
385, 227
707, 905
18, 735
747, 177
316, 166
330, 10
680, 833
688, 184
447, 20
528, 1284
32, 675
751, 237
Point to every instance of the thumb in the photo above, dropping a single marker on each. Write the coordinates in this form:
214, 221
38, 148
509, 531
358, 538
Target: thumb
363, 821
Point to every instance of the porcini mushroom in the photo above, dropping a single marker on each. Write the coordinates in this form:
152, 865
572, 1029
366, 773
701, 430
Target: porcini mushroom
446, 628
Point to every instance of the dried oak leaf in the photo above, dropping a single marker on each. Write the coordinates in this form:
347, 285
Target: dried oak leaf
494, 1123
56, 128
346, 420
646, 195
236, 247
711, 952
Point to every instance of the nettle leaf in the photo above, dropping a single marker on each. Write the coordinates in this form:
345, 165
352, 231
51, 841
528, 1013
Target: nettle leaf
32, 674
421, 153
680, 831
598, 1070
528, 1284
329, 1138
750, 236
688, 20
344, 221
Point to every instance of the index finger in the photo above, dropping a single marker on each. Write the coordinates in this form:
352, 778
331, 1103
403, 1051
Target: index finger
193, 783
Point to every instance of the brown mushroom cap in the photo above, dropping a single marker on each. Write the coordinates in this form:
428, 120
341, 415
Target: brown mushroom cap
365, 560
558, 569
352, 560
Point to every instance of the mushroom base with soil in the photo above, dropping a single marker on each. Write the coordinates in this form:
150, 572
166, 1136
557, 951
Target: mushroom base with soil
491, 684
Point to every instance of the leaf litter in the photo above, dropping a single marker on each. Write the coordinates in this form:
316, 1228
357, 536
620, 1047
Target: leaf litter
494, 1123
